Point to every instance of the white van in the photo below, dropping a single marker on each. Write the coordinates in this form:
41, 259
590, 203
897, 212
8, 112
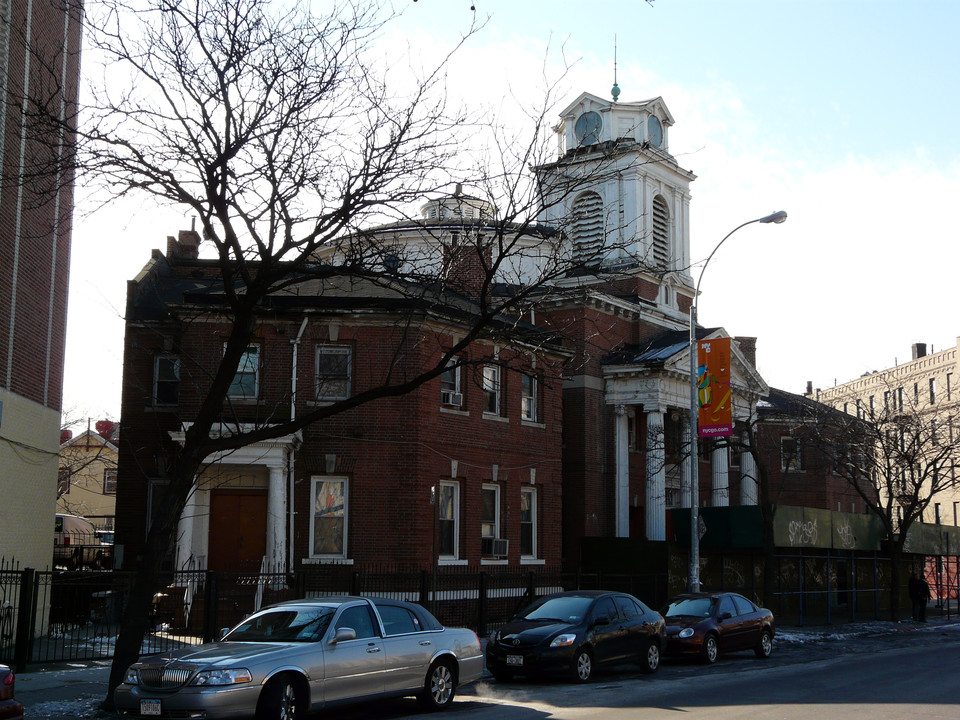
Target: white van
75, 542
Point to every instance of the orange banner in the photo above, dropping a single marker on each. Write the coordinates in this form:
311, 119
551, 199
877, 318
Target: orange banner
715, 417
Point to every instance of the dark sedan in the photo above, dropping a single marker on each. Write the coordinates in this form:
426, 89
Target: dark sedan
10, 708
704, 625
574, 632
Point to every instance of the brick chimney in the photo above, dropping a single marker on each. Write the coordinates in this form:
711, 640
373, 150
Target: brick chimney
185, 247
918, 350
748, 348
463, 268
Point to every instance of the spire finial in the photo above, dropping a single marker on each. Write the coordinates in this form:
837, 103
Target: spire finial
615, 90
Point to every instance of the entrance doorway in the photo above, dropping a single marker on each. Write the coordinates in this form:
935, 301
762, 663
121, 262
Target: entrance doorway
238, 530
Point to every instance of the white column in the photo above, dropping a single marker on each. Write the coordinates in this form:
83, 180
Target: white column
276, 515
721, 476
623, 472
656, 473
185, 529
748, 476
686, 470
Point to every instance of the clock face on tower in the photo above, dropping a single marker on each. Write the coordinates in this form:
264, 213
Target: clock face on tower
588, 128
655, 131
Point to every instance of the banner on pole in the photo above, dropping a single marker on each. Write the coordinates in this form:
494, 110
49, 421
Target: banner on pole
715, 416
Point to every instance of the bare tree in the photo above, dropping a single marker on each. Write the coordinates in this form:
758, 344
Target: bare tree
285, 135
899, 458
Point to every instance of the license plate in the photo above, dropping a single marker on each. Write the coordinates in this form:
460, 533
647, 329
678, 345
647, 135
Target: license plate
514, 659
150, 707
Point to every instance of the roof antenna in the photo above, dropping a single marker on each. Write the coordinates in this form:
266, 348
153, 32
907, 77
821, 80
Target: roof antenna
615, 90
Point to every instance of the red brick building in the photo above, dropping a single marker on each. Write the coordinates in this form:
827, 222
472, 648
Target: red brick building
36, 206
483, 439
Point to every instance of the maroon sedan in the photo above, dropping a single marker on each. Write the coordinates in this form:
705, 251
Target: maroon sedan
704, 625
10, 709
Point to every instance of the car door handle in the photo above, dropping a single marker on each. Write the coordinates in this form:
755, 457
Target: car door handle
373, 649
425, 643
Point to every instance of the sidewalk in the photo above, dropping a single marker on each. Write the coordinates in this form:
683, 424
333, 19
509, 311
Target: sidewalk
63, 690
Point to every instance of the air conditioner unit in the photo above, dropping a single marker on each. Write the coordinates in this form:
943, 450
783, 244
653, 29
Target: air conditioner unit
494, 547
448, 397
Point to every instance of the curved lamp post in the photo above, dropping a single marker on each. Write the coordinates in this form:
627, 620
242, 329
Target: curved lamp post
694, 571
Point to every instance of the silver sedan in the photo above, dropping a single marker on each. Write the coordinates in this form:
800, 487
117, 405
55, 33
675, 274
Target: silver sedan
297, 657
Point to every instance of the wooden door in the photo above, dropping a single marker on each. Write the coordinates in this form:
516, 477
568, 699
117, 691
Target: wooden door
238, 530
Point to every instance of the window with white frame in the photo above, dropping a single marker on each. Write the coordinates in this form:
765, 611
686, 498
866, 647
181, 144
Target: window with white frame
791, 454
448, 520
530, 392
490, 511
109, 481
246, 383
166, 380
450, 394
328, 520
334, 365
491, 389
528, 522
933, 390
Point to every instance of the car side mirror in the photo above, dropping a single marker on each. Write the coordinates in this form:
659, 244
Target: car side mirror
223, 633
343, 634
725, 616
602, 620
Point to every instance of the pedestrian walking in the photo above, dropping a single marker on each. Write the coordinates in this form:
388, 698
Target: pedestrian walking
919, 592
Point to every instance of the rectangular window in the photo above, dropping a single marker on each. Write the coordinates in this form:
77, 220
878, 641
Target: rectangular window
448, 520
166, 380
949, 378
791, 454
886, 401
936, 513
246, 383
491, 389
328, 522
632, 429
333, 372
490, 511
450, 394
916, 394
933, 390
898, 400
110, 481
528, 522
733, 457
529, 394
872, 408
63, 482
956, 512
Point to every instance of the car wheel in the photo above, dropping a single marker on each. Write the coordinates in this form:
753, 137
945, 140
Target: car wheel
439, 687
650, 660
582, 665
280, 700
710, 649
502, 675
765, 646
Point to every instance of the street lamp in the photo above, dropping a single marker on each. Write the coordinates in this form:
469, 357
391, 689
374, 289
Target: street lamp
694, 572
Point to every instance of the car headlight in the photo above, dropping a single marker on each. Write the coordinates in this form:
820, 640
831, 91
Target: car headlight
132, 676
230, 676
564, 640
686, 632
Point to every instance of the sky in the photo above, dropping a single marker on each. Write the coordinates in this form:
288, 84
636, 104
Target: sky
840, 112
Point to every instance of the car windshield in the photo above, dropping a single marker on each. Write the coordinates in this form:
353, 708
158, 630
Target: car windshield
564, 609
283, 625
693, 607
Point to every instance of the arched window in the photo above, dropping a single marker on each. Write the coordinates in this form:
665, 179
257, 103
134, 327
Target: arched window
587, 229
660, 256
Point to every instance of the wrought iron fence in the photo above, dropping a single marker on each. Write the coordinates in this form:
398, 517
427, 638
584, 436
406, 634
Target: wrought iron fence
48, 616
